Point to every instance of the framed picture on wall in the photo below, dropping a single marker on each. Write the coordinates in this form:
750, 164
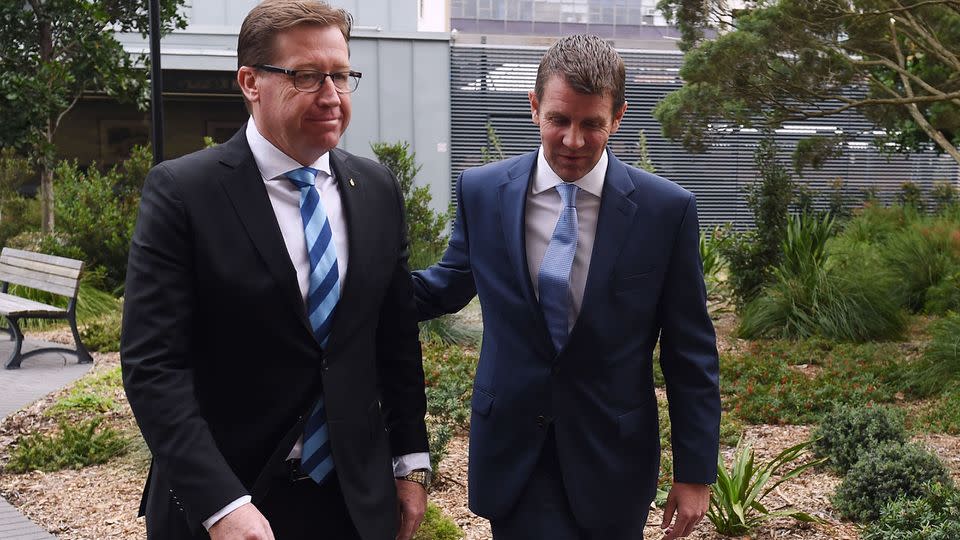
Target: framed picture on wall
118, 137
221, 130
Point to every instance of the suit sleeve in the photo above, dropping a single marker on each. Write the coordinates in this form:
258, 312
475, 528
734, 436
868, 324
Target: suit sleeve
157, 359
399, 359
447, 286
688, 357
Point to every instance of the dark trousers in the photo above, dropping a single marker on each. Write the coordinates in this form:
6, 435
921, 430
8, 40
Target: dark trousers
543, 511
296, 510
302, 510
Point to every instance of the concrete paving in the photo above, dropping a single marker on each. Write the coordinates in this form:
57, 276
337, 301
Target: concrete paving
37, 377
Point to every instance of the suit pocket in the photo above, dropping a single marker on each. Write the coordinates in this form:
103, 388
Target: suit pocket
639, 421
482, 401
633, 282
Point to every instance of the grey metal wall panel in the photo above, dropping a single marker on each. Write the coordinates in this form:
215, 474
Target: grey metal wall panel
491, 84
394, 104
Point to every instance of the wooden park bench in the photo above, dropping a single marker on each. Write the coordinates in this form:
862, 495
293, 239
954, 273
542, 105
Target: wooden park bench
57, 275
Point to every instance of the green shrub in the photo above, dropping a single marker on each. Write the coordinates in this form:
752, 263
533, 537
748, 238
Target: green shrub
74, 447
922, 256
942, 415
874, 223
885, 473
93, 393
804, 246
427, 228
846, 432
449, 331
763, 385
20, 215
736, 506
437, 526
939, 368
98, 211
103, 334
449, 374
934, 516
944, 296
711, 246
844, 305
911, 196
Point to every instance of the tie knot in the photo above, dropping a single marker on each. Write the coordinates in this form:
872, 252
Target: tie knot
302, 177
568, 193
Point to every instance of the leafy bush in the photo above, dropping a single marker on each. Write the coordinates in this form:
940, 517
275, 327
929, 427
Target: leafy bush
427, 229
944, 296
934, 516
910, 196
74, 447
449, 374
736, 506
765, 385
753, 255
103, 333
847, 432
711, 246
874, 223
436, 526
19, 215
885, 473
939, 368
941, 415
448, 330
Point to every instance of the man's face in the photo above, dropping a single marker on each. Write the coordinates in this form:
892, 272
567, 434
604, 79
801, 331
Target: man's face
303, 125
574, 127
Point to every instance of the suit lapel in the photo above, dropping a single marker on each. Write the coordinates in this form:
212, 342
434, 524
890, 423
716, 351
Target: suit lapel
513, 199
352, 196
615, 217
244, 186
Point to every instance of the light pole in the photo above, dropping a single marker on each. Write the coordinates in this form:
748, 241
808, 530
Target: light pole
156, 83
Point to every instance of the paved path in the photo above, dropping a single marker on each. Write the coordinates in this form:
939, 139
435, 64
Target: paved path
37, 377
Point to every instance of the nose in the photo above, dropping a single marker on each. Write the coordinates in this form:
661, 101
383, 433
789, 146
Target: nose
573, 138
328, 94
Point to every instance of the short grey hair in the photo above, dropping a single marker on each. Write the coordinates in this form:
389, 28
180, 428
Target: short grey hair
588, 64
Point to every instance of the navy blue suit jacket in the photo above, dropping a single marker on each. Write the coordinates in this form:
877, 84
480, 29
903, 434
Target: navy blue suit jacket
645, 283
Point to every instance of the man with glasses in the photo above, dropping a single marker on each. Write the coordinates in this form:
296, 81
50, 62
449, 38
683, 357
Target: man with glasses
270, 347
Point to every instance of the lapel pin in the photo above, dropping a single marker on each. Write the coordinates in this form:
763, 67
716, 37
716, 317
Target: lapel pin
351, 182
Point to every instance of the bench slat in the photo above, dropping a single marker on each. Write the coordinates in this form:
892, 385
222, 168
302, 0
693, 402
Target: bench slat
45, 268
14, 305
42, 285
39, 276
39, 257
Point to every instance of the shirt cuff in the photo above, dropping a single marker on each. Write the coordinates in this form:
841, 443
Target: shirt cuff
407, 463
212, 520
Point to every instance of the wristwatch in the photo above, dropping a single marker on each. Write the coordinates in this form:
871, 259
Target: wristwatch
424, 477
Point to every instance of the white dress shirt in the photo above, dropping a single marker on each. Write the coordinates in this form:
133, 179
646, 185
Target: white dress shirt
285, 199
542, 211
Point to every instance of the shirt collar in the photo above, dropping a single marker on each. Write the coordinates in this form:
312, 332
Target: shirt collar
592, 182
271, 161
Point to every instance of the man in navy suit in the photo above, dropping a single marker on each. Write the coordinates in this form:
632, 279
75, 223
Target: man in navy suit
577, 286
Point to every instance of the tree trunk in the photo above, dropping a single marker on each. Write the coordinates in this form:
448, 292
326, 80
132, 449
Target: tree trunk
46, 200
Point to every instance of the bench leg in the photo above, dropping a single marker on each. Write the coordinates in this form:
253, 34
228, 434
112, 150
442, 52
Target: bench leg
9, 329
83, 356
15, 357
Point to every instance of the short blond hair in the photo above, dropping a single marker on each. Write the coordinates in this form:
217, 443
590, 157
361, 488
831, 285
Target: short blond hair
271, 17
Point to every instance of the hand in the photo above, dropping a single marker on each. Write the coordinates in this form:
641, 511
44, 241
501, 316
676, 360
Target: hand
244, 523
412, 504
690, 503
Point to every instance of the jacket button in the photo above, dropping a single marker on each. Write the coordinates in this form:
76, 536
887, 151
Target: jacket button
324, 365
541, 421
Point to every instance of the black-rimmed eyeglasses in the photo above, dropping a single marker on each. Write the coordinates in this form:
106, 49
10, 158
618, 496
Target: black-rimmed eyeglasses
311, 80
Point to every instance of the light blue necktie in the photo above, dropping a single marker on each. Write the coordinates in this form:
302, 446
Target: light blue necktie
317, 459
554, 277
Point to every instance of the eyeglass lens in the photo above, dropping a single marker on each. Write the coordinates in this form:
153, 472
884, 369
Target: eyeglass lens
310, 81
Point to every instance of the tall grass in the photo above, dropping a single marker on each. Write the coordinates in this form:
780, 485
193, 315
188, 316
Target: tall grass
938, 371
92, 304
922, 256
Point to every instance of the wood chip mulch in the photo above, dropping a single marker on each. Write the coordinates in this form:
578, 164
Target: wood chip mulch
101, 502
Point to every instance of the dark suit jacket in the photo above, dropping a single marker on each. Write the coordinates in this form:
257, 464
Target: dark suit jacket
644, 283
219, 362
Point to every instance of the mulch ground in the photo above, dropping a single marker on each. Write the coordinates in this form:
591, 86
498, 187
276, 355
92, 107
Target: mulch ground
101, 502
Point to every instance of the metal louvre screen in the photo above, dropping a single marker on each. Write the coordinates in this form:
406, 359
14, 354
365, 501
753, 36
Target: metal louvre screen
490, 84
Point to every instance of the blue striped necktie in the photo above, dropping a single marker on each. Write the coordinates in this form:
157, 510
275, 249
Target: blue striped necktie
324, 291
554, 277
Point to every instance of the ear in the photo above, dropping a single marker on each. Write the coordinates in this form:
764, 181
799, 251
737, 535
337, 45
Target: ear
534, 107
247, 80
617, 118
